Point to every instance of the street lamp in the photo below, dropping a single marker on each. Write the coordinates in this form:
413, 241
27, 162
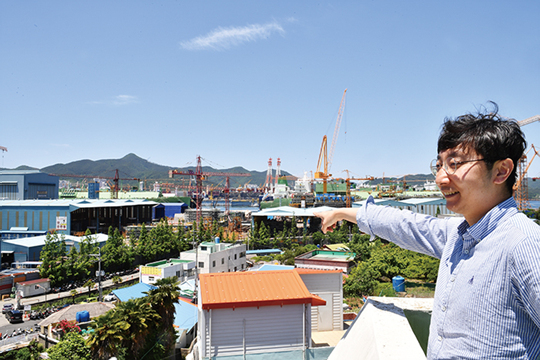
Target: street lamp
98, 256
44, 291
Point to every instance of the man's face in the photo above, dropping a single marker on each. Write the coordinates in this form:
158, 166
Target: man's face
465, 182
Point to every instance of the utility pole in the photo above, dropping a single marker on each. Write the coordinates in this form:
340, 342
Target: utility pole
98, 256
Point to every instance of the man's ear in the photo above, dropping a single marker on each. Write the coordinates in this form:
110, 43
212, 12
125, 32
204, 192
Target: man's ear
502, 170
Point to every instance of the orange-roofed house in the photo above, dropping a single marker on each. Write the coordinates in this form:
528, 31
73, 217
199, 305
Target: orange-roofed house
255, 312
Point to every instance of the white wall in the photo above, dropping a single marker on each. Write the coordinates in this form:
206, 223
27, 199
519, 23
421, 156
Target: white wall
328, 286
264, 329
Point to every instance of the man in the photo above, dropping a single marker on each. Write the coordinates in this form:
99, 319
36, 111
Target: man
487, 298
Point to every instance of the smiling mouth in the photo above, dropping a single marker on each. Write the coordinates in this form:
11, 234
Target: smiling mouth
450, 193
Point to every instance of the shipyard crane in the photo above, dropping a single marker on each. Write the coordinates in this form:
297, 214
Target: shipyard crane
114, 188
325, 160
200, 176
521, 191
521, 188
348, 202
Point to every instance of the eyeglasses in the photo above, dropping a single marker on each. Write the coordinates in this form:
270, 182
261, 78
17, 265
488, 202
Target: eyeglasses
450, 166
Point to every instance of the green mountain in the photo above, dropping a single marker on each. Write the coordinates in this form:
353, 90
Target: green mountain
133, 167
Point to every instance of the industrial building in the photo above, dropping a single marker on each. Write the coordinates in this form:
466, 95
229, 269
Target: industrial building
29, 249
73, 217
27, 184
426, 206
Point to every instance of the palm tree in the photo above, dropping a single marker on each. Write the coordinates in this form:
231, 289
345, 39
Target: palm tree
108, 336
163, 298
141, 317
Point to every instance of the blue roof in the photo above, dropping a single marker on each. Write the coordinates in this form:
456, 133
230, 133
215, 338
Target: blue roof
185, 316
270, 267
264, 251
133, 292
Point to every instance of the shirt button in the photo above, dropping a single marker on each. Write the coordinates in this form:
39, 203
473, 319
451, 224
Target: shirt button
466, 252
452, 279
439, 338
443, 308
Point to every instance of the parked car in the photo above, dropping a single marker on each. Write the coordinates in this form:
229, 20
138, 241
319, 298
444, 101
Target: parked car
14, 316
109, 297
6, 308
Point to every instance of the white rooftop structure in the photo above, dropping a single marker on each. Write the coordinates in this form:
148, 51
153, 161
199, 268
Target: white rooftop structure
383, 330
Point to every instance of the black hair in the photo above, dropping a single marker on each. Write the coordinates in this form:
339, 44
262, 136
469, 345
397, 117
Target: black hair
489, 135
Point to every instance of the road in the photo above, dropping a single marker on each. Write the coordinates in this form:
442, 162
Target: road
6, 327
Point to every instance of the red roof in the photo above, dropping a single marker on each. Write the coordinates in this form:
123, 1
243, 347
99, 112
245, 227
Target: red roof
254, 288
37, 281
316, 271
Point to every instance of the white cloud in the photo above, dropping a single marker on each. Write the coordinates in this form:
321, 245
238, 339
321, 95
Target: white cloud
224, 38
118, 100
124, 99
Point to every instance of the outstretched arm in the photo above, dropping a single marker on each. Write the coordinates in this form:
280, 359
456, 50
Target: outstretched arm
330, 218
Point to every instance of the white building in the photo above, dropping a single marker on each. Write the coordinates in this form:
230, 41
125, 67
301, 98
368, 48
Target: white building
182, 269
33, 287
213, 257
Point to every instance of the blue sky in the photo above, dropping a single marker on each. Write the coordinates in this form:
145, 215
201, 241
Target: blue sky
238, 82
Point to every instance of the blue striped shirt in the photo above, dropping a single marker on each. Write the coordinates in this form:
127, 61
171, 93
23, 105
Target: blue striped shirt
487, 297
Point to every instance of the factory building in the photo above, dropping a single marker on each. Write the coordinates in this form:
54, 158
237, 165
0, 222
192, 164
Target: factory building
426, 206
27, 184
73, 217
29, 249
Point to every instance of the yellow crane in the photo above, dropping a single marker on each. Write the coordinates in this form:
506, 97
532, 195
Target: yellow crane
521, 189
325, 161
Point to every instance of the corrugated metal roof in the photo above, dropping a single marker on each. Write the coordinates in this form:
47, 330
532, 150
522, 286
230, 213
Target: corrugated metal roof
40, 239
80, 203
254, 288
291, 211
133, 292
185, 315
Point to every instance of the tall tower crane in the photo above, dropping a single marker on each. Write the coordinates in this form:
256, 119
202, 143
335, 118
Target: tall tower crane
521, 189
202, 175
325, 162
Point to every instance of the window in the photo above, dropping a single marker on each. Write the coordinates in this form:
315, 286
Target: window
242, 254
150, 278
178, 274
242, 266
235, 268
235, 257
201, 264
203, 248
214, 263
222, 261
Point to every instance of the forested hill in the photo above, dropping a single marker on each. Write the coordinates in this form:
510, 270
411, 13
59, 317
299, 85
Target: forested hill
132, 166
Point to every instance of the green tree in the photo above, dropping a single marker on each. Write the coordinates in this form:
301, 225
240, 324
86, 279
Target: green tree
53, 257
89, 284
163, 298
72, 347
145, 245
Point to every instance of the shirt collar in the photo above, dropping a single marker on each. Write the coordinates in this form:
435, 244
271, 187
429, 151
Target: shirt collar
474, 234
